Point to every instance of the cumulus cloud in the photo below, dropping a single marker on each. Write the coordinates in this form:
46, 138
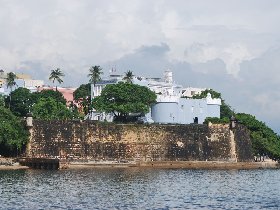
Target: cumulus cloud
254, 90
147, 61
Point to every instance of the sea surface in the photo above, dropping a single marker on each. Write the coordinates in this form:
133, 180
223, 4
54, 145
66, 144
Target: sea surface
135, 188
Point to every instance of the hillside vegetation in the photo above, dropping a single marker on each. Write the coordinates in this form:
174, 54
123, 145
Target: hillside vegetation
265, 141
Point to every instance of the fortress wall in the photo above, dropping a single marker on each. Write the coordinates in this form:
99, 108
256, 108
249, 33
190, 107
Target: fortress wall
243, 143
108, 141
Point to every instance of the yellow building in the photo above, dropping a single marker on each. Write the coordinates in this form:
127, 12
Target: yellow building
23, 76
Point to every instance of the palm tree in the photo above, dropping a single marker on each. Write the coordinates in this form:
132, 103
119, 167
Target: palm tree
128, 76
94, 75
55, 75
10, 82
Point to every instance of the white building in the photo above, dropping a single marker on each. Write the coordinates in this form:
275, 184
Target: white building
22, 80
164, 88
170, 107
33, 84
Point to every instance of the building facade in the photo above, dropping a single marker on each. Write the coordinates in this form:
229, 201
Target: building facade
22, 80
171, 105
186, 110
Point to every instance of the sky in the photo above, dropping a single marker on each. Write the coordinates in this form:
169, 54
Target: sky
231, 46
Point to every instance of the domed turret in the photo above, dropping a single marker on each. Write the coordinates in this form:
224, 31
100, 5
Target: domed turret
168, 76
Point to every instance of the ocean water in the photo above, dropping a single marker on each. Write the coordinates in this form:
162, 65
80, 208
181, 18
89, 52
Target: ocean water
135, 188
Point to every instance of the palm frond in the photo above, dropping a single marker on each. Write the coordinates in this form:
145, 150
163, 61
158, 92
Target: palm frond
56, 75
95, 74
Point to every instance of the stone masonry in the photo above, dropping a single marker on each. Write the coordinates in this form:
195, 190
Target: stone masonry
137, 142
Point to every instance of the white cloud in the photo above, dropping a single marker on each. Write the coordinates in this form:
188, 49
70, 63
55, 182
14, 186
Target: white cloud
79, 31
202, 41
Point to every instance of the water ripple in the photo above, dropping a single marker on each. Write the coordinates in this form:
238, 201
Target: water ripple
135, 188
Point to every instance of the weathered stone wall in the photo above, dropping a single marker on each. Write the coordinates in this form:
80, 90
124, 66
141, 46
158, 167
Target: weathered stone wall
102, 141
243, 143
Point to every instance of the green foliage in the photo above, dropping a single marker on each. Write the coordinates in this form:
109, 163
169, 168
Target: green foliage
56, 95
75, 112
82, 92
21, 101
216, 120
95, 74
2, 100
265, 140
124, 98
128, 77
56, 75
82, 96
225, 110
204, 93
49, 109
10, 80
13, 135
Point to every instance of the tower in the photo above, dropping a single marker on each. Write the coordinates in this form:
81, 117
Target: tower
168, 76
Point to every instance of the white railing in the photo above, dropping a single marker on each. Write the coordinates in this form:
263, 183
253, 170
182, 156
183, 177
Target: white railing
214, 101
167, 98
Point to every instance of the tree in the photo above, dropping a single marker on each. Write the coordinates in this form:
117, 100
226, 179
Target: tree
13, 135
82, 92
226, 110
56, 95
10, 82
264, 140
82, 96
56, 75
49, 109
2, 100
128, 76
95, 76
21, 101
75, 112
121, 99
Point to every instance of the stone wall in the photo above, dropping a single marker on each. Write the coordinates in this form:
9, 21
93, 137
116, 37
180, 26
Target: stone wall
108, 141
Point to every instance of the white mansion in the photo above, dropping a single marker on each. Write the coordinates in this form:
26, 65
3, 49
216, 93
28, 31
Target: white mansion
174, 103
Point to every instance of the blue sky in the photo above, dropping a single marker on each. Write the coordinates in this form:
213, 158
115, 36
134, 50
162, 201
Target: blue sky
232, 46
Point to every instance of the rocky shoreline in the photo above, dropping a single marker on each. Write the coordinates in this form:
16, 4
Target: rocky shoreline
12, 164
209, 165
13, 167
